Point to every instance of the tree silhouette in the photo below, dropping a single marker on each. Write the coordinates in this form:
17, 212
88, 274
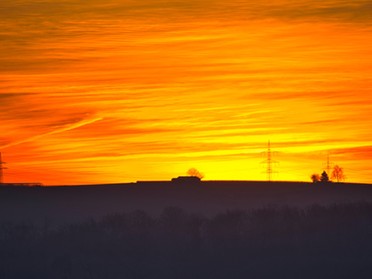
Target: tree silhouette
324, 178
338, 173
315, 177
195, 172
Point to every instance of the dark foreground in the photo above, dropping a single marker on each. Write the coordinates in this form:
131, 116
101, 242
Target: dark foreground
254, 230
59, 205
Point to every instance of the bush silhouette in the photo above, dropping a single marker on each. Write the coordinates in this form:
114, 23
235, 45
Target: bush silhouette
324, 177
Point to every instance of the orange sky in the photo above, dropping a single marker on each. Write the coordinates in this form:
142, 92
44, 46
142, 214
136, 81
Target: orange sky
124, 90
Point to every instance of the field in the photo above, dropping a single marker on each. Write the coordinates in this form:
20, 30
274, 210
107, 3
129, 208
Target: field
72, 203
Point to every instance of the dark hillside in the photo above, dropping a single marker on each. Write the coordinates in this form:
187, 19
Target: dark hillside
273, 242
68, 204
212, 229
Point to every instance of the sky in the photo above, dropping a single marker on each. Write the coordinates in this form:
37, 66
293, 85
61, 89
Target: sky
108, 91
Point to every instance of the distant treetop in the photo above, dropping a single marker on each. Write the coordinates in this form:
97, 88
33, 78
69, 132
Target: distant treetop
324, 177
195, 172
338, 173
315, 177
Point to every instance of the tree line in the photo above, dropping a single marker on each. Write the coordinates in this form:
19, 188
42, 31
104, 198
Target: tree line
337, 175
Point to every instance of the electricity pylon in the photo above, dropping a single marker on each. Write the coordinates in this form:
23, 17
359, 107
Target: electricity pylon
2, 168
269, 162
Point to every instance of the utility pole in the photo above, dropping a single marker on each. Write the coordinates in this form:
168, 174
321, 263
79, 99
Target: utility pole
269, 168
269, 162
2, 168
328, 166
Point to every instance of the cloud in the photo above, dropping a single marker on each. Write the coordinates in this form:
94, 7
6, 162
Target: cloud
359, 11
66, 128
356, 153
174, 78
35, 29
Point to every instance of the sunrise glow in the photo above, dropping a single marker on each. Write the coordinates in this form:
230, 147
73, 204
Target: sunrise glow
118, 91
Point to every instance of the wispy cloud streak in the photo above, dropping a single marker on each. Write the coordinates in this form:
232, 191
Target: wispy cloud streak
66, 128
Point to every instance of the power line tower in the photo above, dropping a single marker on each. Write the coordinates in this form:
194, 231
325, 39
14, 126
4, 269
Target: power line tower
328, 165
269, 168
269, 162
2, 168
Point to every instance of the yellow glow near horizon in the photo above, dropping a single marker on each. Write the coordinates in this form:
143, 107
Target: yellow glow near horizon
113, 91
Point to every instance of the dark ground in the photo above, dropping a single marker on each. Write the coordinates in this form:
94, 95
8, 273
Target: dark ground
209, 230
69, 204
